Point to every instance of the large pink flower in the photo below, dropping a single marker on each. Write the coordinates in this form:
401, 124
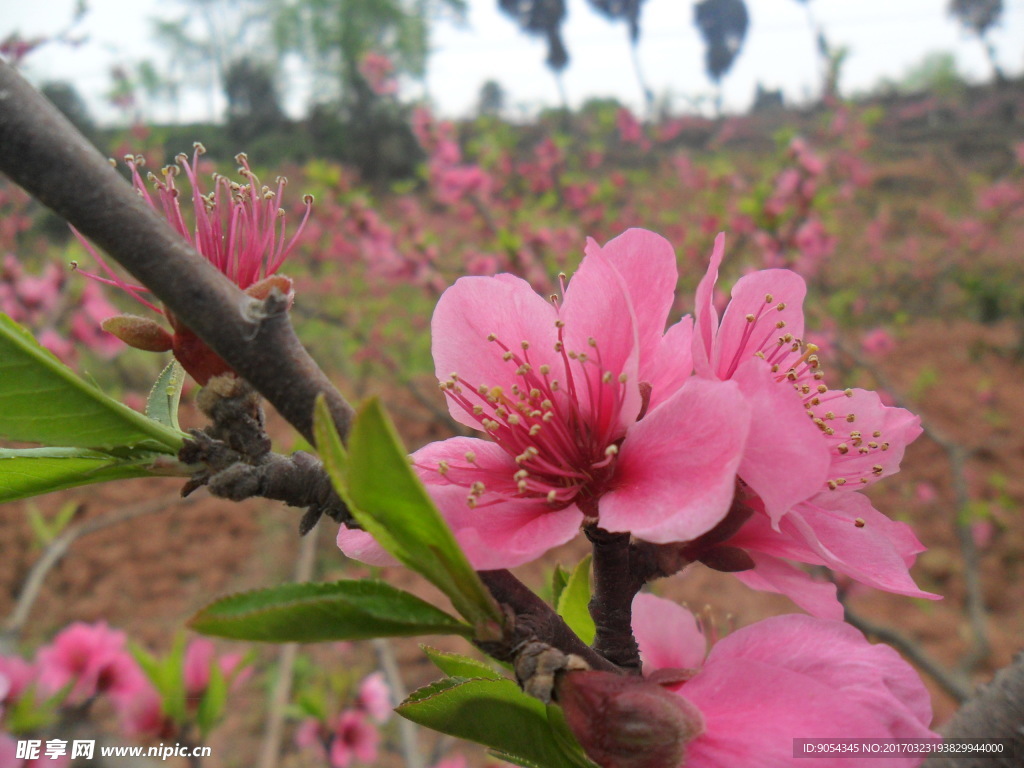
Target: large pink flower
589, 406
779, 679
809, 450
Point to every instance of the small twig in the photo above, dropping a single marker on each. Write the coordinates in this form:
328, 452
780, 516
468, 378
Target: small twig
273, 728
406, 728
237, 463
953, 683
57, 548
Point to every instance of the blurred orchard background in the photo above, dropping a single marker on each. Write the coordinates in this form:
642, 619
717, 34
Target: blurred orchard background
894, 185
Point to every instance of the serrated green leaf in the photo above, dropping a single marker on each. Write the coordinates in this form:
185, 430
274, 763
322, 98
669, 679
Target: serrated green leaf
457, 665
512, 759
573, 602
384, 495
43, 401
342, 610
162, 405
495, 713
28, 472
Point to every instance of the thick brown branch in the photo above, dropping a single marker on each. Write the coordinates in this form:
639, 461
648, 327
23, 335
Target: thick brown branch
995, 712
41, 151
611, 604
533, 620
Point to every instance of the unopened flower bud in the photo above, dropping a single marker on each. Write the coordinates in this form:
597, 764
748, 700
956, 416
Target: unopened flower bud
627, 722
138, 332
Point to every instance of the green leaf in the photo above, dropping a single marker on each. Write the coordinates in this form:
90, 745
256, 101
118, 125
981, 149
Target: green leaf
497, 714
559, 579
43, 401
457, 665
573, 602
211, 706
28, 472
342, 610
162, 405
385, 496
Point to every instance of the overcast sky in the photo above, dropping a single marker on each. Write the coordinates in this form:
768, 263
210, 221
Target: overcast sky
885, 37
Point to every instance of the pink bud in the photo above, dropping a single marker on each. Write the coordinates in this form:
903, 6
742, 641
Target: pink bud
138, 332
627, 722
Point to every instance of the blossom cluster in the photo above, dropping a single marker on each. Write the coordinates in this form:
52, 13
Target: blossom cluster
88, 663
719, 437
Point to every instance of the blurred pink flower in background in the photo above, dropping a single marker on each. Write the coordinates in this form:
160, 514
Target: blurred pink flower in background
379, 70
348, 740
877, 342
374, 697
92, 658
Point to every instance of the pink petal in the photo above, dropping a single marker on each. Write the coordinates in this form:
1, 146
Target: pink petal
361, 546
598, 306
839, 656
198, 660
497, 532
677, 466
504, 534
647, 265
877, 423
738, 339
672, 363
753, 710
667, 633
786, 458
876, 553
773, 575
472, 309
705, 315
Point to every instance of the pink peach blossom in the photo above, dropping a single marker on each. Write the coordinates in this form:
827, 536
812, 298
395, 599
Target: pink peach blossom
810, 449
355, 740
374, 697
877, 341
92, 658
590, 407
15, 676
782, 678
238, 228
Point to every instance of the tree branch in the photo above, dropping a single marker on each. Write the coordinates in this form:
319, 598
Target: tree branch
995, 712
533, 620
611, 605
